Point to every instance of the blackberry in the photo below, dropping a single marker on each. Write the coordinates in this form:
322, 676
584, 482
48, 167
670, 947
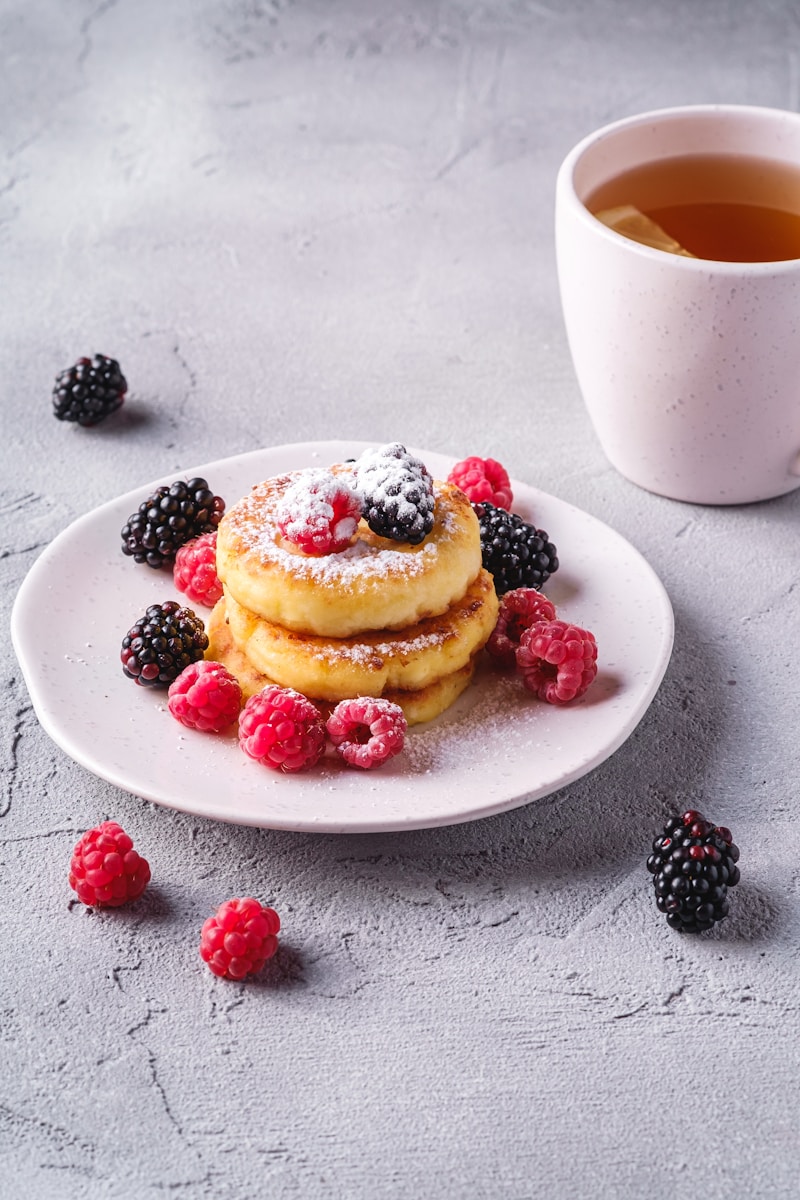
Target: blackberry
167, 520
396, 491
162, 644
89, 391
693, 864
515, 553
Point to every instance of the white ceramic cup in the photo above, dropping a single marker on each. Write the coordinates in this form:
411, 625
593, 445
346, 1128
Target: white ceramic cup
689, 368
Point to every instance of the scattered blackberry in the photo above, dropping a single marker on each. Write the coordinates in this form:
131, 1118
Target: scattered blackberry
396, 490
89, 391
693, 864
515, 553
172, 516
162, 643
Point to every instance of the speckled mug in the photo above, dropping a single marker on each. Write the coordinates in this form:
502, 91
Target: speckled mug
689, 368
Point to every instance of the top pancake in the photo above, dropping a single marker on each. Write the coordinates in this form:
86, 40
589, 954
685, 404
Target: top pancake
374, 584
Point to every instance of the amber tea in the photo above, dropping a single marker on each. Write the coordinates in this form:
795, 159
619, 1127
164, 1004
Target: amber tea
728, 208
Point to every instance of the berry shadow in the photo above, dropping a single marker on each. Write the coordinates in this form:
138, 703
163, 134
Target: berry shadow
132, 415
283, 970
754, 916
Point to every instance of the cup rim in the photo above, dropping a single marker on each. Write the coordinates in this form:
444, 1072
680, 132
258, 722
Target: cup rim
567, 194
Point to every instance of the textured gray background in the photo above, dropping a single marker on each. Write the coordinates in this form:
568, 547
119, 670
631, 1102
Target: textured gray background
320, 219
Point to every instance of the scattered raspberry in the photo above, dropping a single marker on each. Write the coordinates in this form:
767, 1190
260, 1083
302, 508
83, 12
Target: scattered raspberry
205, 696
239, 938
105, 869
282, 729
367, 731
518, 611
483, 479
195, 570
557, 661
319, 512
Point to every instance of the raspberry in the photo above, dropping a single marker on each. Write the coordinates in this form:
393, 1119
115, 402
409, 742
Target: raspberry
557, 661
367, 731
483, 479
239, 938
396, 492
89, 391
161, 643
319, 512
205, 696
105, 869
282, 729
515, 553
195, 570
518, 611
170, 518
693, 864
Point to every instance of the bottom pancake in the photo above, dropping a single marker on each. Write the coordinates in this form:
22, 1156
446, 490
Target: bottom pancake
373, 662
418, 706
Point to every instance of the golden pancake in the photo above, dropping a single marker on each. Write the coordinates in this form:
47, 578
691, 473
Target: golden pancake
421, 705
374, 584
366, 664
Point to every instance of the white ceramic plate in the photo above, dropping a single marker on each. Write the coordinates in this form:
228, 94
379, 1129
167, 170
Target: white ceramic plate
496, 748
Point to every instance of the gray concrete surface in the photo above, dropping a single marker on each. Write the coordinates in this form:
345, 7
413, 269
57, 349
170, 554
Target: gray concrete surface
323, 219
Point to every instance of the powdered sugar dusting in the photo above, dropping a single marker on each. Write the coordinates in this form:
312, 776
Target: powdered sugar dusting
254, 519
318, 511
495, 709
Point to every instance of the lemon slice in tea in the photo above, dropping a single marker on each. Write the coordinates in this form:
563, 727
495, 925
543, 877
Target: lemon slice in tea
633, 224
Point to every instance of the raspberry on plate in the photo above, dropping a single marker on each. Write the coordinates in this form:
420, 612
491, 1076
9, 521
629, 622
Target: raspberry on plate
693, 864
239, 938
557, 661
205, 696
195, 570
483, 479
367, 731
105, 870
282, 729
518, 611
319, 512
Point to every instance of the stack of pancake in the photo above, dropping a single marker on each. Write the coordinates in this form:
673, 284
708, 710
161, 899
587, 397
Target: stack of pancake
379, 618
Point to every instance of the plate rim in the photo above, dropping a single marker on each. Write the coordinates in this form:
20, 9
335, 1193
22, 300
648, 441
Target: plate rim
60, 736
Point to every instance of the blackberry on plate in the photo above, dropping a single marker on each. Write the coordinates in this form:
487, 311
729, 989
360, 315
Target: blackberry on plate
515, 553
693, 864
162, 644
396, 491
89, 391
174, 515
